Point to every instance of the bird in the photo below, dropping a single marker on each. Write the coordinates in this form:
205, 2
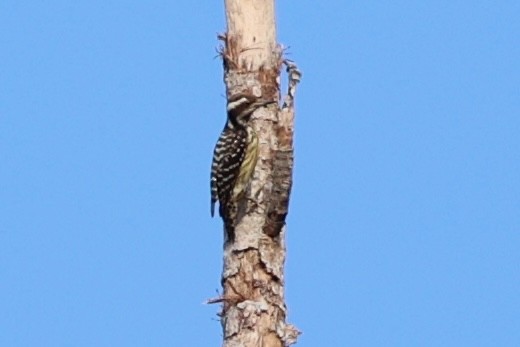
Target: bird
234, 158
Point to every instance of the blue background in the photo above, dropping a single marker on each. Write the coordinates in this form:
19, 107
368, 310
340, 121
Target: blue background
404, 225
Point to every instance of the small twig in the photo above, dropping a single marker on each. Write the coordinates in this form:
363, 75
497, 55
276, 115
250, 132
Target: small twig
215, 300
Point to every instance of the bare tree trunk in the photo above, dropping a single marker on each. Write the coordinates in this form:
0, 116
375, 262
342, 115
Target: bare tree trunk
254, 310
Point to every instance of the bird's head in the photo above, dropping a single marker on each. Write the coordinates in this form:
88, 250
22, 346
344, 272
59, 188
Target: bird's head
240, 107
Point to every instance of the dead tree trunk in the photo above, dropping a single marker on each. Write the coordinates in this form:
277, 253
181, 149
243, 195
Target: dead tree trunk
254, 310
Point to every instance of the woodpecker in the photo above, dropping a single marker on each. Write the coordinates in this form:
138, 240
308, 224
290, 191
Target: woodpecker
234, 158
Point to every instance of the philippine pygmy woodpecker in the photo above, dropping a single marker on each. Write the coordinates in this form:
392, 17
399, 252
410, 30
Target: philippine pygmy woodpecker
234, 158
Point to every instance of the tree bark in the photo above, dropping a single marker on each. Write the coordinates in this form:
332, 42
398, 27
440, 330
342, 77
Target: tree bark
254, 311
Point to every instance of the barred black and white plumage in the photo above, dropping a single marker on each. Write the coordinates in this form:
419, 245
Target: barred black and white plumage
234, 158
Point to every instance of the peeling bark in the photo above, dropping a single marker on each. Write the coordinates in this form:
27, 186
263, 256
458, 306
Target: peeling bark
254, 311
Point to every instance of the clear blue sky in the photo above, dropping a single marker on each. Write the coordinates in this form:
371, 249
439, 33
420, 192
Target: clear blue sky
404, 225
